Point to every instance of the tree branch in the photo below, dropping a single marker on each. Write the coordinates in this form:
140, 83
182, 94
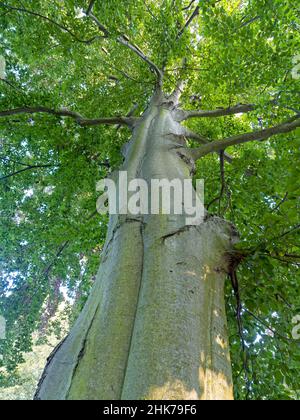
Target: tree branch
17, 88
248, 22
217, 146
280, 203
7, 159
90, 8
128, 121
203, 140
29, 168
150, 12
83, 122
283, 235
189, 21
60, 250
222, 112
189, 134
178, 91
265, 324
239, 317
286, 259
98, 23
123, 40
223, 183
46, 18
130, 113
189, 6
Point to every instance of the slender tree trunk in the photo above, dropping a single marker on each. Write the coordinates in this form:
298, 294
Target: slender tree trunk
154, 326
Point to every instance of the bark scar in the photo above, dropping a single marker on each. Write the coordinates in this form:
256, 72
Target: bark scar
177, 232
45, 372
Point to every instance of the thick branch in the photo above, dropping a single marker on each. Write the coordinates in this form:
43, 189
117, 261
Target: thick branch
46, 18
130, 113
189, 134
178, 91
217, 146
221, 112
129, 121
40, 109
84, 122
203, 140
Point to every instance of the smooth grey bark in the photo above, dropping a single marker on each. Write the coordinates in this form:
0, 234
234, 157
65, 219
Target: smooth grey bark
154, 326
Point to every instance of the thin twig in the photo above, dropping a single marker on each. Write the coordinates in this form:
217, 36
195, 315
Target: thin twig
150, 11
189, 6
262, 322
29, 168
223, 183
280, 203
236, 289
279, 295
58, 254
12, 85
249, 22
289, 232
7, 159
189, 21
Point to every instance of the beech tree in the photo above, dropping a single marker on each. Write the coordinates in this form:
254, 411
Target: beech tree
165, 89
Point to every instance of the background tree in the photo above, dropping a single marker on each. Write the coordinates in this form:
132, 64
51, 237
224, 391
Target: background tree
71, 70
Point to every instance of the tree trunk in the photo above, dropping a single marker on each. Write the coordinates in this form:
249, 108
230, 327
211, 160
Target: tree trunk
154, 326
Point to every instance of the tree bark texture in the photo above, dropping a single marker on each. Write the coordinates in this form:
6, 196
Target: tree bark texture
154, 326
